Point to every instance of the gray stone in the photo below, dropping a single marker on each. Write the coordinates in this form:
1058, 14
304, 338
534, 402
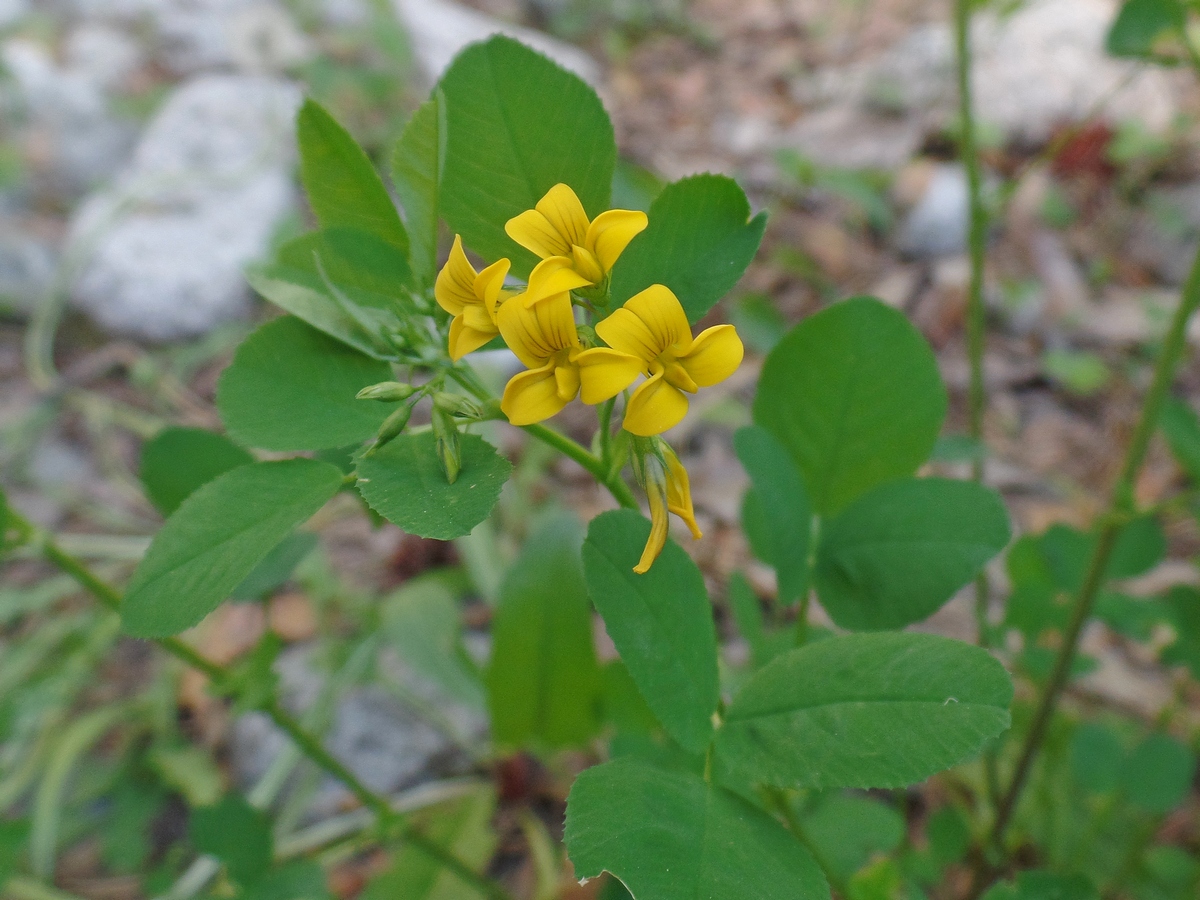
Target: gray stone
440, 29
937, 224
253, 36
11, 11
1167, 232
27, 267
66, 114
165, 247
385, 743
1035, 69
103, 55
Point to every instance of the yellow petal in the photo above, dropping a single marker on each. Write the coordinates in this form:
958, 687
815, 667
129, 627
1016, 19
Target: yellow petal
663, 315
477, 317
533, 231
535, 334
464, 339
658, 530
565, 213
586, 264
567, 379
532, 396
455, 285
627, 333
677, 376
605, 373
552, 276
610, 233
655, 406
714, 356
679, 494
489, 282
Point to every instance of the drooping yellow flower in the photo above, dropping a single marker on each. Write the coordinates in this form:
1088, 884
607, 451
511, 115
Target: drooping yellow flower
669, 491
472, 298
575, 252
653, 328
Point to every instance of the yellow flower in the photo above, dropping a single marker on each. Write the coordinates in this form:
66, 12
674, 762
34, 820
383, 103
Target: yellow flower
472, 298
545, 339
575, 252
668, 491
653, 329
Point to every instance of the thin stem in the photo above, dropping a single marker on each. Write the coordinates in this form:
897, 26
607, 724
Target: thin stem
977, 245
307, 744
1120, 505
615, 484
560, 442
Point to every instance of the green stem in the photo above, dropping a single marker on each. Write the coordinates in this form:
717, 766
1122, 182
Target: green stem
615, 484
977, 245
306, 743
560, 442
1120, 504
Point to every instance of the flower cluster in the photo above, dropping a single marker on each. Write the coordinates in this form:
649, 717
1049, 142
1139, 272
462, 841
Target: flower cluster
603, 355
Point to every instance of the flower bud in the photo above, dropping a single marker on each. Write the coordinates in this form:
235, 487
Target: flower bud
456, 405
391, 427
449, 448
389, 391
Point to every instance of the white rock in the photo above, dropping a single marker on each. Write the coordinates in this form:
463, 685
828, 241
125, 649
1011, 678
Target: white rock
210, 178
937, 224
440, 29
254, 36
1035, 69
11, 10
102, 54
68, 111
27, 266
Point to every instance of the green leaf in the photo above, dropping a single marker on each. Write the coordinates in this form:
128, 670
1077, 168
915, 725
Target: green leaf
237, 834
421, 620
624, 706
217, 537
405, 483
343, 187
190, 770
14, 835
463, 828
176, 461
865, 710
417, 164
1181, 427
1140, 23
1158, 774
854, 393
661, 623
300, 879
699, 242
1041, 885
346, 283
849, 830
543, 680
516, 125
276, 567
670, 836
781, 493
290, 387
1096, 758
898, 553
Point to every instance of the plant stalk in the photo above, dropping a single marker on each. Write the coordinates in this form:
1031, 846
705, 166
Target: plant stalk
1121, 504
599, 469
305, 742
